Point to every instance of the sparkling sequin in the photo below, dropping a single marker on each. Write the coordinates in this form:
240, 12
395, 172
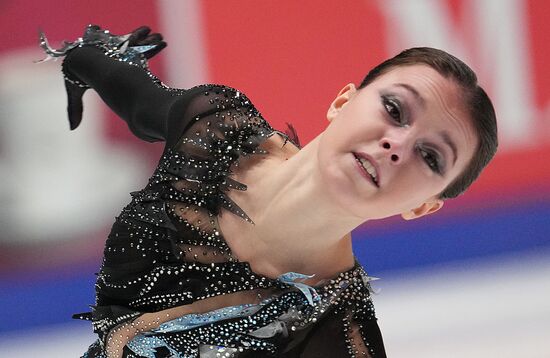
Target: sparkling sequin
174, 217
166, 250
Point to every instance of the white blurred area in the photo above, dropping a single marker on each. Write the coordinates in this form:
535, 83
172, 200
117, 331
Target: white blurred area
67, 340
43, 163
489, 308
473, 309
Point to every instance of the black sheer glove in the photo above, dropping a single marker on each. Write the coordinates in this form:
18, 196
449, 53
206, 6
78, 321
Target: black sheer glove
142, 37
134, 48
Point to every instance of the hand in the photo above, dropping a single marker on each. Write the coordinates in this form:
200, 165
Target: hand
142, 37
135, 48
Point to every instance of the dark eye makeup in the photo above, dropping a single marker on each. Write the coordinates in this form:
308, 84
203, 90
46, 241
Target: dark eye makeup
432, 159
395, 110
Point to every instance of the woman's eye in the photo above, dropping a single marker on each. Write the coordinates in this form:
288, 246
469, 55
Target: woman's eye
393, 109
431, 159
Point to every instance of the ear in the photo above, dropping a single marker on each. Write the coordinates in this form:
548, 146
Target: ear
427, 208
341, 99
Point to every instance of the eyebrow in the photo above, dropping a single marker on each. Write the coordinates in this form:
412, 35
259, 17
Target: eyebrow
444, 135
413, 90
447, 139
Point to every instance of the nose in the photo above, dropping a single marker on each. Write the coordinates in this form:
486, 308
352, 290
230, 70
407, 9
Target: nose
394, 149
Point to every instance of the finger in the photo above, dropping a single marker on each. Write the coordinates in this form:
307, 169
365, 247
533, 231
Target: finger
152, 39
159, 46
139, 34
155, 37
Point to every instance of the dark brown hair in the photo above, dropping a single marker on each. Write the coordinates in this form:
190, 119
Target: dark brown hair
476, 102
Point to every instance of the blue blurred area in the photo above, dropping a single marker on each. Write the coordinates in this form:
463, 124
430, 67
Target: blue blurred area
505, 230
33, 300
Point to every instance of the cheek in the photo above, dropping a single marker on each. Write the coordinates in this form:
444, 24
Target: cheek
337, 136
357, 130
412, 187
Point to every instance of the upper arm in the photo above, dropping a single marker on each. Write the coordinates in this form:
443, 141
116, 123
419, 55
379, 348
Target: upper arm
209, 110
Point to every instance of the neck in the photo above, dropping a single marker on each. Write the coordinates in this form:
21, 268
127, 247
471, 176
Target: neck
293, 214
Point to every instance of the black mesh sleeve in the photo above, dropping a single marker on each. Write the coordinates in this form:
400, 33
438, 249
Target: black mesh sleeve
148, 108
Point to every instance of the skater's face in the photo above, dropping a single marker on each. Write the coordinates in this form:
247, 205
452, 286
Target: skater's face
410, 129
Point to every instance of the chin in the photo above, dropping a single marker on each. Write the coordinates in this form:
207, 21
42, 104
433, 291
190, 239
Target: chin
341, 190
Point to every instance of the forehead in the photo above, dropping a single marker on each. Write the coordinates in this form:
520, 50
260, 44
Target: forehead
428, 86
423, 76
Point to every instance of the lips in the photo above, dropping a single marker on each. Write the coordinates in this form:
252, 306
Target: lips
368, 168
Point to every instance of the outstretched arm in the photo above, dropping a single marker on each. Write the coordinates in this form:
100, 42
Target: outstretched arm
127, 89
115, 66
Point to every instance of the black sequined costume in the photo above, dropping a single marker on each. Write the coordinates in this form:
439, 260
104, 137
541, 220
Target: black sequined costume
165, 249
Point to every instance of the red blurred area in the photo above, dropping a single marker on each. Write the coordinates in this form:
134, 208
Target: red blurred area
292, 58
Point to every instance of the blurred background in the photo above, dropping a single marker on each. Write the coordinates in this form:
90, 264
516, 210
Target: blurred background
471, 281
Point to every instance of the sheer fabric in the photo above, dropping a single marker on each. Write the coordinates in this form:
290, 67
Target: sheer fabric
169, 284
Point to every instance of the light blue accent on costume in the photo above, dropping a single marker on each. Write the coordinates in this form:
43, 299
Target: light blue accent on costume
193, 320
132, 53
146, 344
367, 280
142, 49
290, 278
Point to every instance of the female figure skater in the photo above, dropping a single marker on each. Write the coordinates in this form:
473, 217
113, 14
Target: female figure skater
239, 245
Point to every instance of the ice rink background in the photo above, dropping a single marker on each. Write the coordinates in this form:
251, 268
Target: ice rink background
470, 281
